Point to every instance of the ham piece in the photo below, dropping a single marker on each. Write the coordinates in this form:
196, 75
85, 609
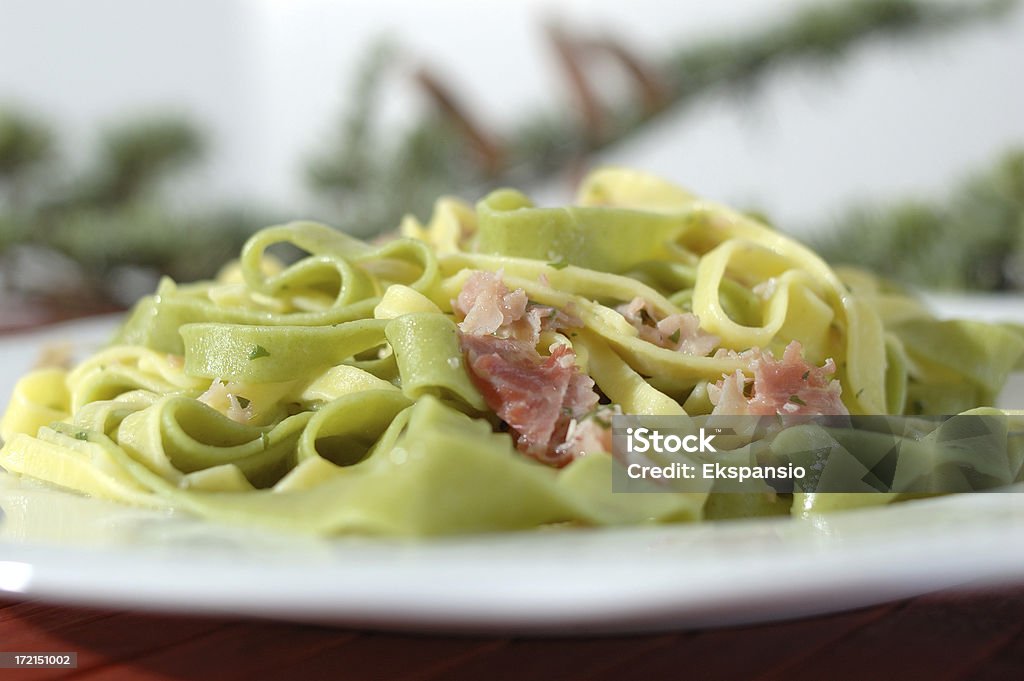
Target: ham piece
539, 397
778, 387
593, 433
679, 332
488, 307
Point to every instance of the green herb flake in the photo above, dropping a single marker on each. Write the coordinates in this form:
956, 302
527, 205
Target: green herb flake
795, 399
559, 264
675, 336
257, 352
860, 392
806, 374
243, 402
81, 435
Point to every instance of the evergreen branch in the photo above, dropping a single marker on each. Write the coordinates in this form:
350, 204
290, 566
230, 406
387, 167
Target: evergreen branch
551, 141
973, 240
821, 31
24, 144
352, 154
135, 156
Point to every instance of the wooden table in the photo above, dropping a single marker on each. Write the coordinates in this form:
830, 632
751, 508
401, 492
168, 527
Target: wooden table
963, 634
948, 635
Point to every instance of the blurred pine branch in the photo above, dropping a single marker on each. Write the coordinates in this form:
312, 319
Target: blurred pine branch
26, 145
136, 156
111, 217
369, 192
974, 239
112, 221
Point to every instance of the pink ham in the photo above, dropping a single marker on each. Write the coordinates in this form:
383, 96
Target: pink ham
488, 306
591, 433
784, 387
538, 397
679, 332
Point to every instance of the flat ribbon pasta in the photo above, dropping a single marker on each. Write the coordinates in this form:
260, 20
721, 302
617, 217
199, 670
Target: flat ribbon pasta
337, 393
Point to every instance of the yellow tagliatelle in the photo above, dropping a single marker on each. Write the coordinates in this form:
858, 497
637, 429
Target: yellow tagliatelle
337, 394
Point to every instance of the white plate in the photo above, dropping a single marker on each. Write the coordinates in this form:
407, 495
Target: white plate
71, 549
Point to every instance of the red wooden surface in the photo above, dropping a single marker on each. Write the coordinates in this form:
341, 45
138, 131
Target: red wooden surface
972, 634
968, 635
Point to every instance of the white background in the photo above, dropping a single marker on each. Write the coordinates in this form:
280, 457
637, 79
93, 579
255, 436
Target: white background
267, 80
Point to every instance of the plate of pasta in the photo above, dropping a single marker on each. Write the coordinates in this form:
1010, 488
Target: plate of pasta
418, 432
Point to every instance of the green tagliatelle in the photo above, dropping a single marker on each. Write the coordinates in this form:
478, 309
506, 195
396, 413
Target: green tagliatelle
332, 395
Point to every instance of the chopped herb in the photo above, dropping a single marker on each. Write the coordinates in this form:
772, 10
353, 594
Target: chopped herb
675, 336
257, 352
559, 264
917, 406
646, 318
795, 399
860, 392
243, 402
806, 374
573, 334
81, 435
